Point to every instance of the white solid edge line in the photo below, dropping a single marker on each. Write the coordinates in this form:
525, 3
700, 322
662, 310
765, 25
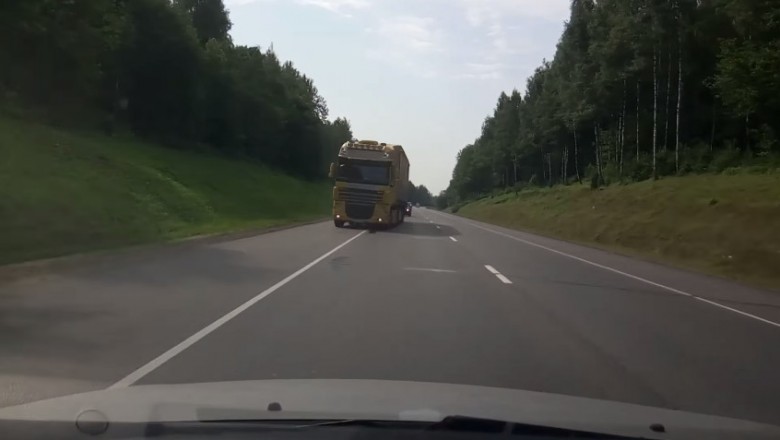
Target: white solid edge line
628, 275
454, 239
183, 345
713, 303
491, 269
503, 279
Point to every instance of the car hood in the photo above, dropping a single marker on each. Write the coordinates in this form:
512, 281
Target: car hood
380, 400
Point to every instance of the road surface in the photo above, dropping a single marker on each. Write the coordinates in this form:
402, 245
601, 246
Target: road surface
439, 299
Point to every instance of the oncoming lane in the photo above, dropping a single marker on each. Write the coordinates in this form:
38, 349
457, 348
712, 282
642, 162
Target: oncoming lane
86, 325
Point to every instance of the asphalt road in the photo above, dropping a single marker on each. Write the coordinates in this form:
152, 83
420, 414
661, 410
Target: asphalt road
438, 299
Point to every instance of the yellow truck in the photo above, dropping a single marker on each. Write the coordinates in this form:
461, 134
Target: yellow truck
371, 184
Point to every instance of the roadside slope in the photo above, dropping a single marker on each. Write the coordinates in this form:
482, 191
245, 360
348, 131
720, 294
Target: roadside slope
722, 225
64, 192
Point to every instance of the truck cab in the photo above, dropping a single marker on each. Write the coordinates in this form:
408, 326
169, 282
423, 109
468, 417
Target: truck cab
371, 180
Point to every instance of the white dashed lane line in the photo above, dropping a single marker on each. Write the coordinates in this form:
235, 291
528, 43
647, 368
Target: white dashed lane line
426, 269
454, 239
498, 274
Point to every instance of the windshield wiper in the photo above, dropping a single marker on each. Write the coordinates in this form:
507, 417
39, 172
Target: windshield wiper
253, 425
487, 426
453, 424
382, 424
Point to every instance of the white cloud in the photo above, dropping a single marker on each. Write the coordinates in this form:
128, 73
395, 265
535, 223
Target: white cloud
408, 43
338, 6
492, 16
418, 34
507, 28
480, 12
229, 3
482, 71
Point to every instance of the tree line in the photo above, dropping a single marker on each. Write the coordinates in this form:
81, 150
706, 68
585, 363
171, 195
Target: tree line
167, 70
637, 89
420, 194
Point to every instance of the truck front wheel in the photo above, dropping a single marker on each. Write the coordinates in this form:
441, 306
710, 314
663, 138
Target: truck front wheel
338, 223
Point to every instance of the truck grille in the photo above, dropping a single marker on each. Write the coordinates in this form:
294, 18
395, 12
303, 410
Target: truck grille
359, 212
360, 196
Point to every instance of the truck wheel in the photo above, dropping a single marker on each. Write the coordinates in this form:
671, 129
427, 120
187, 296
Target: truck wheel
338, 223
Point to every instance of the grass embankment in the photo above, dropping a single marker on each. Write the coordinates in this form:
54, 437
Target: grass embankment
63, 193
727, 225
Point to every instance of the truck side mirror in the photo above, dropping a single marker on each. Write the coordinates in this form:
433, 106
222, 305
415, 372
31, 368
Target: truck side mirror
332, 171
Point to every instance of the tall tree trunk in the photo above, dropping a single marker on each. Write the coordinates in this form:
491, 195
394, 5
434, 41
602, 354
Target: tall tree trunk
549, 166
514, 163
609, 149
637, 120
623, 127
621, 152
616, 146
655, 112
563, 159
564, 164
576, 152
667, 109
543, 157
714, 122
679, 94
597, 150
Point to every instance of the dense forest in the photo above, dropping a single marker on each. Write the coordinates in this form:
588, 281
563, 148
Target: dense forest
168, 71
637, 89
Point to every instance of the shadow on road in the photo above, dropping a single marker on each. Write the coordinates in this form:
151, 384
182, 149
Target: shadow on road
84, 323
424, 229
36, 329
36, 342
173, 267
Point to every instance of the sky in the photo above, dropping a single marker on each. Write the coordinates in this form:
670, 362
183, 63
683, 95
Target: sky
420, 73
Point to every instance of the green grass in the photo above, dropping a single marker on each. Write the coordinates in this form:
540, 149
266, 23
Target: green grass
726, 225
64, 192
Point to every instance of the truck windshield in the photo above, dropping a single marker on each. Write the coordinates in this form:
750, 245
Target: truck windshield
357, 172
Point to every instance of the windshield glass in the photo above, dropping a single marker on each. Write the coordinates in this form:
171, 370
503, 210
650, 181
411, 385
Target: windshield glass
362, 172
548, 198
